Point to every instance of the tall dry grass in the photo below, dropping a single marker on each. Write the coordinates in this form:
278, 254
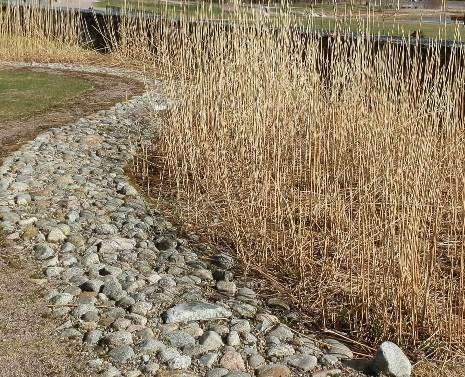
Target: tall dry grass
41, 34
336, 173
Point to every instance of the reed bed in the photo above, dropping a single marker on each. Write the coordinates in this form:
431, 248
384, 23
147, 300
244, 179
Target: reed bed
334, 170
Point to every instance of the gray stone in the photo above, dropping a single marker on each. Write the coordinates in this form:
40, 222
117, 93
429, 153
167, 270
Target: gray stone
281, 350
211, 341
217, 372
121, 355
338, 349
113, 290
92, 285
282, 332
303, 362
194, 312
118, 338
242, 326
150, 346
243, 309
167, 354
223, 261
92, 337
226, 287
56, 235
209, 359
43, 251
62, 299
256, 360
390, 360
151, 368
329, 359
180, 362
233, 339
106, 229
179, 339
327, 373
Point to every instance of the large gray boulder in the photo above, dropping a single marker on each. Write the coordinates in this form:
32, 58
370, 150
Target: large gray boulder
390, 360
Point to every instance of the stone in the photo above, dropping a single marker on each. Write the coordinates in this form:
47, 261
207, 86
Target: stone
328, 373
62, 299
217, 372
168, 353
390, 360
211, 341
209, 359
242, 326
223, 261
276, 302
194, 312
150, 346
92, 285
179, 339
180, 362
303, 362
141, 308
329, 360
56, 235
92, 337
121, 355
113, 290
338, 349
243, 309
232, 361
43, 251
118, 338
274, 371
281, 350
151, 368
256, 360
233, 339
226, 287
282, 332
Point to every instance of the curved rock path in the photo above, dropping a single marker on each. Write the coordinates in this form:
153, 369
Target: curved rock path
142, 299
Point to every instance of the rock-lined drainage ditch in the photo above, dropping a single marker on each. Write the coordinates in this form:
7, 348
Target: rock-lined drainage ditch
144, 300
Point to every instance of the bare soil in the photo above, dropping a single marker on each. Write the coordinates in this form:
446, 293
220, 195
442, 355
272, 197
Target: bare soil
28, 343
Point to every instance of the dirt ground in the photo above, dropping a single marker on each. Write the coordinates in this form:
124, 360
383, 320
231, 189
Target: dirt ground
28, 344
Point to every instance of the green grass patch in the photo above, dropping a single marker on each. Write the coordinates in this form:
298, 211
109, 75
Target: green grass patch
23, 93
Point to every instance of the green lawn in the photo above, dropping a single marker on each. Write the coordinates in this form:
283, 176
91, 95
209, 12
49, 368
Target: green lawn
23, 93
